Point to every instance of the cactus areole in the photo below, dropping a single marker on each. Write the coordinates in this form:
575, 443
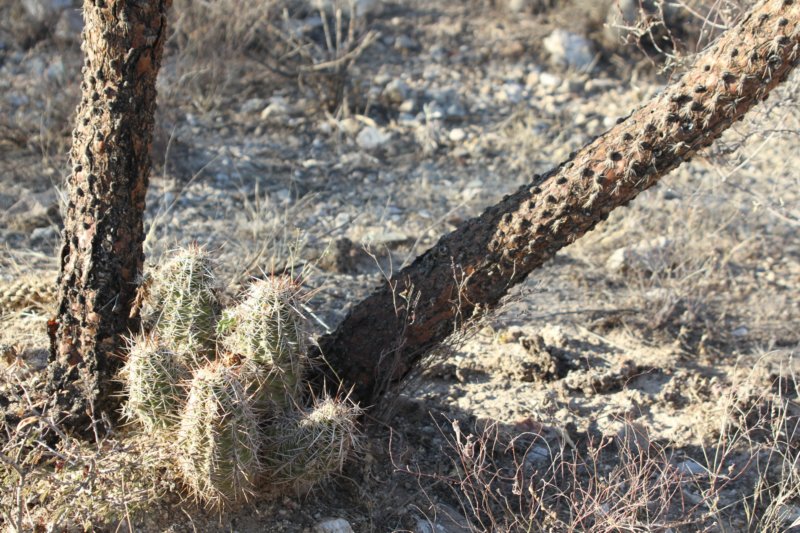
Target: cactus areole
101, 252
473, 267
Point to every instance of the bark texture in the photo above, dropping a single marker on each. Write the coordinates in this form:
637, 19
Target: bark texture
471, 268
101, 254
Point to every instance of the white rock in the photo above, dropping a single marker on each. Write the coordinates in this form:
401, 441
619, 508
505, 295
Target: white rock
43, 10
371, 138
362, 7
404, 42
252, 105
532, 79
333, 525
518, 6
548, 80
691, 468
457, 135
510, 92
554, 335
538, 456
350, 126
647, 256
569, 49
69, 25
396, 91
55, 70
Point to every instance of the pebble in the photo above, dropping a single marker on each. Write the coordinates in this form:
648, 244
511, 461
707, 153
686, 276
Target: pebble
569, 49
548, 80
371, 138
405, 43
457, 135
396, 91
646, 256
691, 468
333, 525
253, 105
511, 93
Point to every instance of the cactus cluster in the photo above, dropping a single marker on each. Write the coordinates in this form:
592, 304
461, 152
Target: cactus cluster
227, 385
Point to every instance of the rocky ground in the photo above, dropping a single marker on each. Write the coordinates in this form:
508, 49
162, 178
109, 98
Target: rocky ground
643, 380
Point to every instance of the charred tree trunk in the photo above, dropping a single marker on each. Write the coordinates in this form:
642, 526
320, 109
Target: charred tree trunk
473, 267
101, 254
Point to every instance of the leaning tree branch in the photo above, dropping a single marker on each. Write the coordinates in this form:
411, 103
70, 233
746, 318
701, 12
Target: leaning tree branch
473, 267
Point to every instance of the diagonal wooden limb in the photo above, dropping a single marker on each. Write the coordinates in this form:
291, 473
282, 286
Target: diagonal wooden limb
473, 267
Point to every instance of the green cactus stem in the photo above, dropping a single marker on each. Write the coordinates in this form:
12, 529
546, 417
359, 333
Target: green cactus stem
152, 377
268, 329
219, 439
185, 304
307, 447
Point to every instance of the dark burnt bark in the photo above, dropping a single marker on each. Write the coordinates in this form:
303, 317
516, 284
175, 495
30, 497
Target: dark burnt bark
101, 254
473, 267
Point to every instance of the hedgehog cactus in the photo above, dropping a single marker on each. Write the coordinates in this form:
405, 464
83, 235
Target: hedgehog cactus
219, 435
307, 447
268, 329
185, 304
152, 377
243, 418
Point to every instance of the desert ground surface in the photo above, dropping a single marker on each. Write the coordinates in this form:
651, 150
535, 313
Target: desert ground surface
643, 380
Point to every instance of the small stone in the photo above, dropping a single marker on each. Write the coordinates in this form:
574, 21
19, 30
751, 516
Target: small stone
44, 235
405, 43
333, 525
518, 6
457, 135
532, 79
284, 196
690, 468
569, 49
371, 138
253, 105
510, 92
538, 456
408, 106
396, 91
653, 255
511, 49
362, 7
740, 332
350, 126
554, 335
548, 80
69, 26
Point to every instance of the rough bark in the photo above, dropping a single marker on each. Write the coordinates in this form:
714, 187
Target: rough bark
101, 254
471, 268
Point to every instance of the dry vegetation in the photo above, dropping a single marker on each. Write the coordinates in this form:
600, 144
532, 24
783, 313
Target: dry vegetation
644, 380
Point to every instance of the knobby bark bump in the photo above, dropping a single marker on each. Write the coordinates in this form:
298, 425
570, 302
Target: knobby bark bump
101, 254
473, 267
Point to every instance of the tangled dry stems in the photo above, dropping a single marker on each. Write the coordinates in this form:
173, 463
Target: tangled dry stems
529, 482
